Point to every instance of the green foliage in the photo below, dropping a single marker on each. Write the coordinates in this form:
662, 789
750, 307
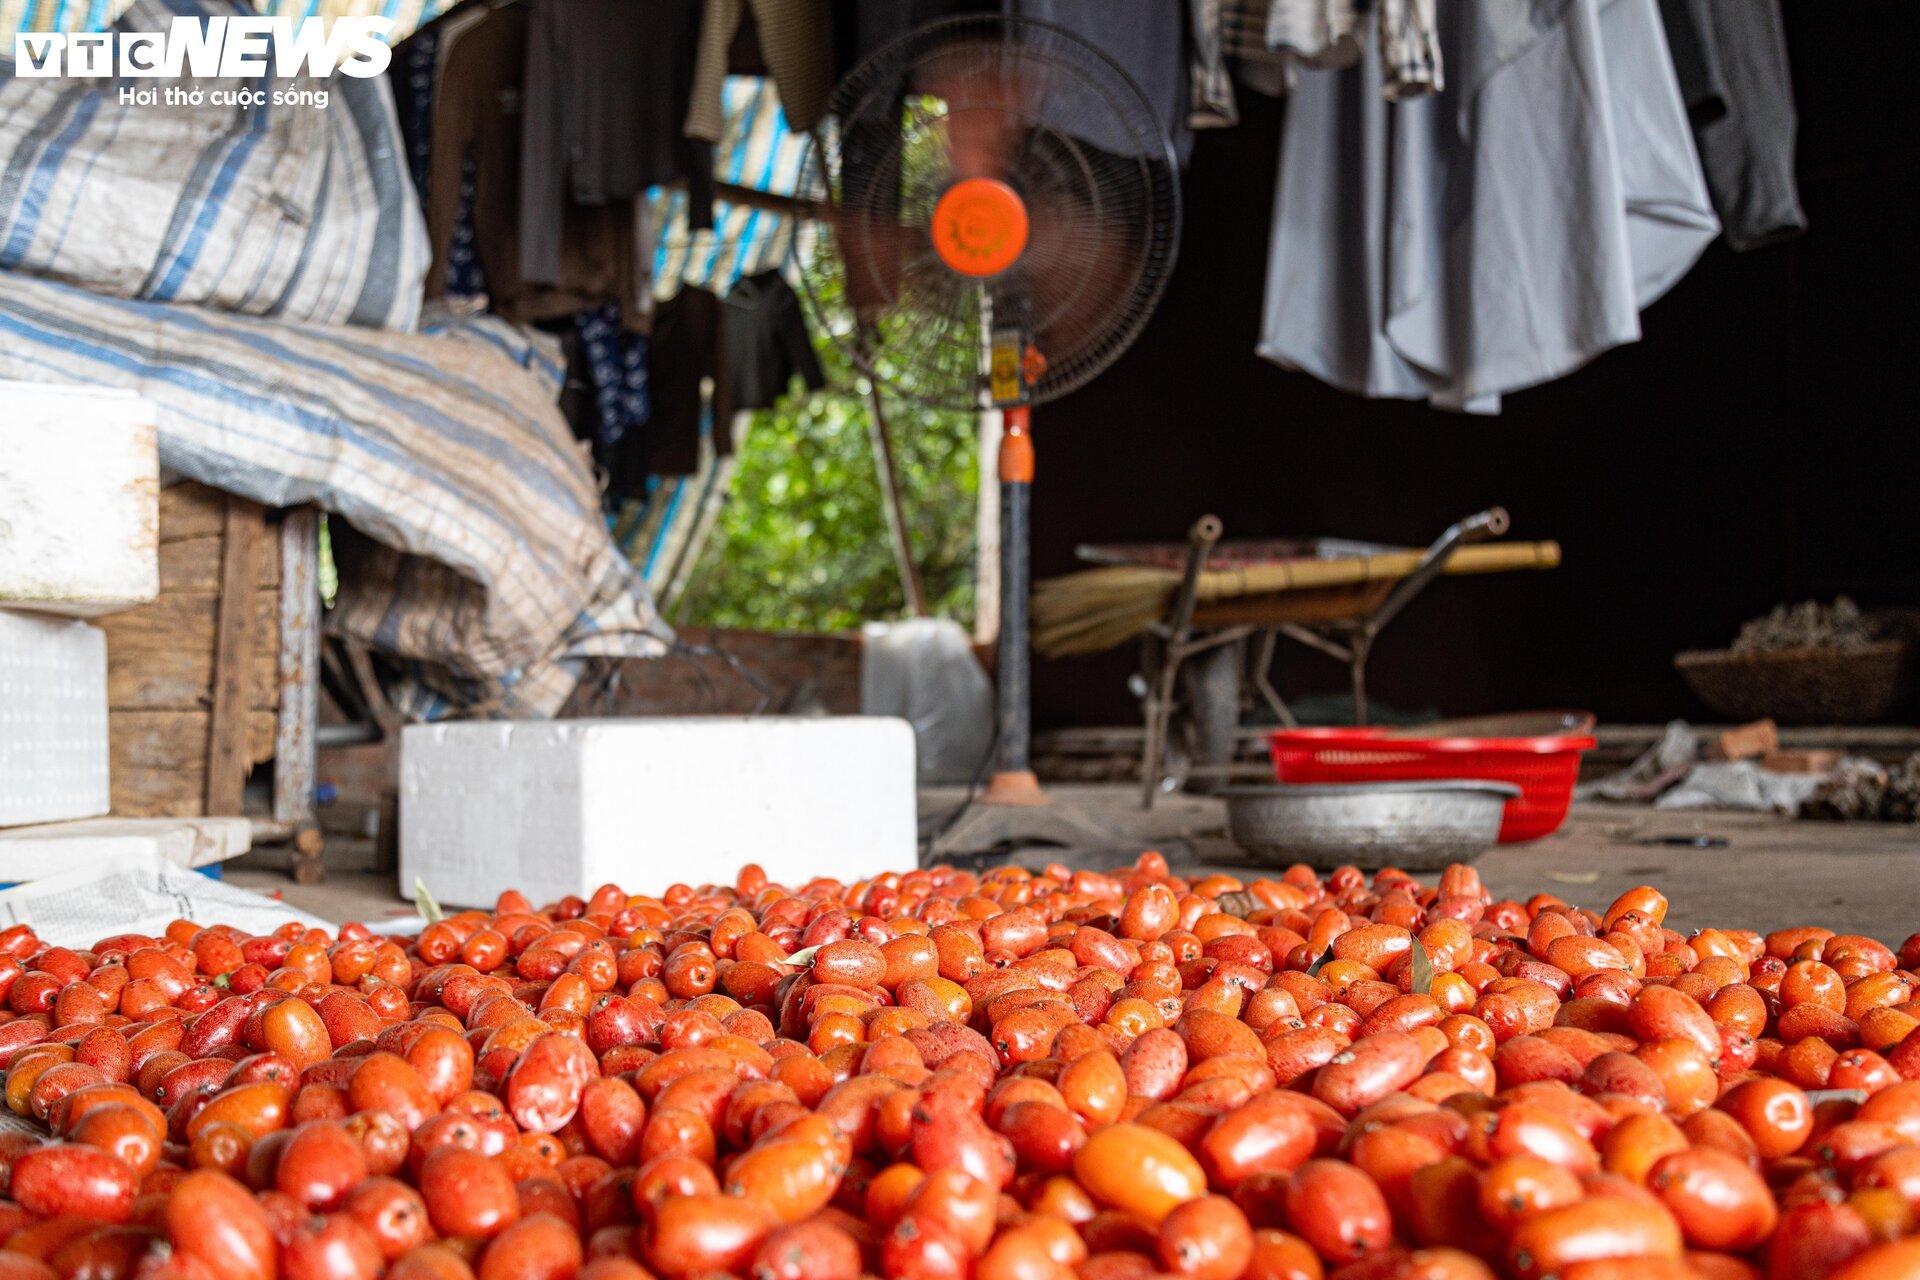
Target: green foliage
802, 542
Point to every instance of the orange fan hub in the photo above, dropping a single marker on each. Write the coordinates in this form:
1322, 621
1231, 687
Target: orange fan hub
980, 227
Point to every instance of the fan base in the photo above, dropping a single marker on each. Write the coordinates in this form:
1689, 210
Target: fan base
1015, 788
1054, 824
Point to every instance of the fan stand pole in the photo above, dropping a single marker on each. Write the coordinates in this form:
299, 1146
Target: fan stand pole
1013, 781
1013, 813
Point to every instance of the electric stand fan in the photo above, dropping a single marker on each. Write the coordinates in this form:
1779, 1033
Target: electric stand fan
997, 207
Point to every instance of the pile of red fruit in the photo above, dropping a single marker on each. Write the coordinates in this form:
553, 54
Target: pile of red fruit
1007, 1077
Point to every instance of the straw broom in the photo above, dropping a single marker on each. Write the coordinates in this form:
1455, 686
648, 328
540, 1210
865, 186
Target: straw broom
1100, 608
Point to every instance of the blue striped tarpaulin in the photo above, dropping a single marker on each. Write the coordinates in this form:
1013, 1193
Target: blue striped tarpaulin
476, 556
272, 210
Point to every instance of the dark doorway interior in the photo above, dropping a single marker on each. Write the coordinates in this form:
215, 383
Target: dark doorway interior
1759, 444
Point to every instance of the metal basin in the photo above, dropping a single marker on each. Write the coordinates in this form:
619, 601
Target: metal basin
1415, 826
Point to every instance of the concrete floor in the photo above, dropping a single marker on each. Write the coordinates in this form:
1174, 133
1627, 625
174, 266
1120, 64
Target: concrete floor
1773, 872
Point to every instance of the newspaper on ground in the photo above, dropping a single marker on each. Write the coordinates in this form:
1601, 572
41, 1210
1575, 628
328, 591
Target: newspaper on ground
137, 892
1653, 773
1740, 784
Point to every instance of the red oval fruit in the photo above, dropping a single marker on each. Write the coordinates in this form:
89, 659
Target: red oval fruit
539, 1247
468, 1194
75, 1180
543, 1089
215, 1220
1339, 1210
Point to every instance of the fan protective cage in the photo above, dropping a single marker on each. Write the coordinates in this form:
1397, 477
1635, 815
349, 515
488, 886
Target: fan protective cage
1026, 103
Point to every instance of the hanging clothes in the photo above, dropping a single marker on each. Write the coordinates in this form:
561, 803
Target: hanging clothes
870, 140
1731, 57
1261, 44
1148, 39
606, 97
465, 276
686, 349
1409, 49
1230, 50
413, 74
1326, 34
796, 43
767, 343
475, 187
579, 404
415, 78
616, 366
1498, 234
861, 27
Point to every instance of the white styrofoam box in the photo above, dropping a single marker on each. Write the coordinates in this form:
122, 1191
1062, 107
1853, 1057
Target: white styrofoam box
26, 853
79, 499
564, 806
53, 719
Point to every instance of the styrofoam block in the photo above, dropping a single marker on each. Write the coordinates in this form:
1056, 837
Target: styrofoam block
561, 807
53, 719
79, 499
27, 853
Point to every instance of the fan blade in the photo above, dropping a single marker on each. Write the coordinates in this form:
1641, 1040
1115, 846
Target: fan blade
980, 139
870, 249
1074, 273
984, 116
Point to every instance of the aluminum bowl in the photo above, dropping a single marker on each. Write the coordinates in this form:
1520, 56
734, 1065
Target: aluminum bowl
1415, 826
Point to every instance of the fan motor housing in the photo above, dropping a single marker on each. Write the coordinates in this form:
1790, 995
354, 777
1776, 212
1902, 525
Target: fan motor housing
984, 173
980, 227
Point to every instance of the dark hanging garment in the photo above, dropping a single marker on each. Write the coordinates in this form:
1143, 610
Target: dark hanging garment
767, 342
870, 141
577, 393
414, 75
686, 347
862, 26
795, 39
1148, 38
474, 191
1731, 60
605, 104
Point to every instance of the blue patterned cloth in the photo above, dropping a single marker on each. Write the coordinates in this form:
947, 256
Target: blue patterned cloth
617, 366
465, 278
423, 51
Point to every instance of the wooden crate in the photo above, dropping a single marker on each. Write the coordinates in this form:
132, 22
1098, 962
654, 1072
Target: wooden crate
219, 674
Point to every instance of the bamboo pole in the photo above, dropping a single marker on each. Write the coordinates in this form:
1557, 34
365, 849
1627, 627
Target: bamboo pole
1100, 608
895, 507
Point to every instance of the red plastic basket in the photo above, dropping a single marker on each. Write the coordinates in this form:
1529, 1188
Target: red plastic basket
1544, 768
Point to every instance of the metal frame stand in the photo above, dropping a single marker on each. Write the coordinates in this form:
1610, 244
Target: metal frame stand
1166, 647
1170, 643
1013, 782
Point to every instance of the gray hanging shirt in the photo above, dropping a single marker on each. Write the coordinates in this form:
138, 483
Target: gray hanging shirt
1498, 234
1148, 39
1732, 59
